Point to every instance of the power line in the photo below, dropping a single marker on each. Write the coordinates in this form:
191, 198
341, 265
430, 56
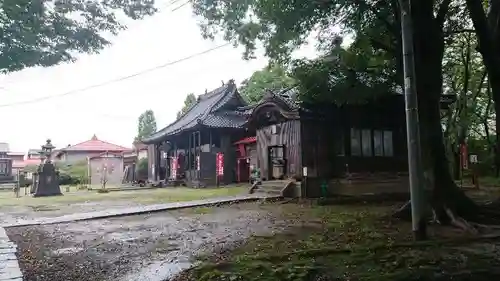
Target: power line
114, 80
180, 6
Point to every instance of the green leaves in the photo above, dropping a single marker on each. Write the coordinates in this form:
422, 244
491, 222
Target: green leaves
146, 124
270, 78
45, 33
188, 102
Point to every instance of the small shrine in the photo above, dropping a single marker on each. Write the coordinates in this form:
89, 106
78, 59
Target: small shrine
46, 178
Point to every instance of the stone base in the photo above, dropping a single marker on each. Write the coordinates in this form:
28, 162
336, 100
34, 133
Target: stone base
47, 194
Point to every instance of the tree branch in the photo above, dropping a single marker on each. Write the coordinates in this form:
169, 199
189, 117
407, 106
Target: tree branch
442, 11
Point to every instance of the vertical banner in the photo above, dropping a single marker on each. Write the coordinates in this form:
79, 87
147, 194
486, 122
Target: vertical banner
219, 164
198, 162
173, 167
464, 157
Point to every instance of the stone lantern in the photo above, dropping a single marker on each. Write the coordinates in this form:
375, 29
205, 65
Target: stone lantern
47, 178
47, 150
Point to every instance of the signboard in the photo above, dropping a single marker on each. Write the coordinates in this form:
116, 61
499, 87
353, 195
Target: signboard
173, 168
219, 164
304, 171
464, 158
198, 162
473, 158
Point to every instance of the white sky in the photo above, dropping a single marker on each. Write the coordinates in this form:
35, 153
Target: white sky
111, 111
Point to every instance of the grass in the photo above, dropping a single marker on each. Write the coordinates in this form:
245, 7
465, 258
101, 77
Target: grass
146, 196
345, 243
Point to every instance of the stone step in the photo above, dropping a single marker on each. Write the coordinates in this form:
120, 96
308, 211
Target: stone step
268, 191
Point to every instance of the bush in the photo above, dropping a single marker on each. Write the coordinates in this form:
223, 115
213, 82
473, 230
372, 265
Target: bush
142, 169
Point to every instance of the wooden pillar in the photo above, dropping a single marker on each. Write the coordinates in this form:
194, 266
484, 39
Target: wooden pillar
210, 141
157, 162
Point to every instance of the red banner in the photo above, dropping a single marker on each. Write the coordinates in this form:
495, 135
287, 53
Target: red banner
219, 164
173, 167
464, 156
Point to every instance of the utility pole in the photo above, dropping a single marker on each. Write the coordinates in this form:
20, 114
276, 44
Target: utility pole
412, 125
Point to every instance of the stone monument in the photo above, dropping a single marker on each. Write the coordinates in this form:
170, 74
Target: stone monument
47, 178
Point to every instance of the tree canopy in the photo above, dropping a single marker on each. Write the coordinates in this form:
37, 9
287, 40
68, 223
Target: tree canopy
45, 33
146, 124
188, 102
270, 78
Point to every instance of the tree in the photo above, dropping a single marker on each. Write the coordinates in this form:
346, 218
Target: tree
146, 124
188, 102
269, 78
281, 26
45, 33
485, 16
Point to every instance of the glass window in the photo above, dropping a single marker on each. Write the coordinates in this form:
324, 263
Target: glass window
355, 142
378, 143
388, 148
366, 141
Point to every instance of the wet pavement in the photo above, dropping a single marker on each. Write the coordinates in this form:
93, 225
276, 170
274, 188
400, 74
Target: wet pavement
9, 266
150, 247
11, 220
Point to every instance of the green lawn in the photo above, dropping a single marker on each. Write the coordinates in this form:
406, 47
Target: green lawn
146, 196
347, 242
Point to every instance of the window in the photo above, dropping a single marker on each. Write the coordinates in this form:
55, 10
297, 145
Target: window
355, 142
3, 168
378, 143
277, 152
366, 142
388, 146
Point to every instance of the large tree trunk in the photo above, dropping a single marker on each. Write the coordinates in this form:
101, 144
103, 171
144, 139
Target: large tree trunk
487, 26
445, 196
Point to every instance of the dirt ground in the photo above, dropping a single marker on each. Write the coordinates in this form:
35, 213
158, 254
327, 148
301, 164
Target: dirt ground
144, 247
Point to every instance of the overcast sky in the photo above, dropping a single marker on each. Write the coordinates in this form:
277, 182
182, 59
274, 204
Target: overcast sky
111, 111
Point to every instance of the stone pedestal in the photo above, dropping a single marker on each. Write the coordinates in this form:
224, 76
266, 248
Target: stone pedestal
47, 181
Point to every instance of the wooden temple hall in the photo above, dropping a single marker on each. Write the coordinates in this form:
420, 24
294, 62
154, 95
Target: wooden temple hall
220, 139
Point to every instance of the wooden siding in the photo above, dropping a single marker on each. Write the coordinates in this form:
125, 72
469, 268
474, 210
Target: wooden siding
289, 136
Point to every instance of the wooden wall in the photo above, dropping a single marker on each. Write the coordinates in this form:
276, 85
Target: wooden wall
152, 151
288, 135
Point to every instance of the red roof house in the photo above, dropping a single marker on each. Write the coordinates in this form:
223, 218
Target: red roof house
90, 148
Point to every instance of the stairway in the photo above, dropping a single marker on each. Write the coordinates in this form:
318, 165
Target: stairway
273, 187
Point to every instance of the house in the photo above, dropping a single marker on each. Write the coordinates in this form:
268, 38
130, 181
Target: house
198, 147
82, 151
6, 175
34, 154
330, 147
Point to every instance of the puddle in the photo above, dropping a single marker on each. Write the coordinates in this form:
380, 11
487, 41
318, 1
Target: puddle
157, 271
67, 251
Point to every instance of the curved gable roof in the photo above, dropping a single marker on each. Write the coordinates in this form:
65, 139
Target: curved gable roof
208, 110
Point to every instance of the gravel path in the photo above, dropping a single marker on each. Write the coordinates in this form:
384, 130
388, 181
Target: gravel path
144, 247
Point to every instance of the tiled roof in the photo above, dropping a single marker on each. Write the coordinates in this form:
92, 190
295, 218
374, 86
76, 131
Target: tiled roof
208, 111
96, 145
27, 162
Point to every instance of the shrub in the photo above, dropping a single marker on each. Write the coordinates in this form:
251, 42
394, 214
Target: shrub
142, 169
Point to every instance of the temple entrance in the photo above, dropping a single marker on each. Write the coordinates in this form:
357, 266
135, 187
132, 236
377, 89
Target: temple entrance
277, 162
